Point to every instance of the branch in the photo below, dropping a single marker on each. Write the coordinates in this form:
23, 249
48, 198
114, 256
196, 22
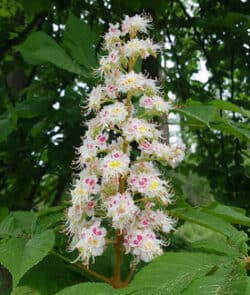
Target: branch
84, 268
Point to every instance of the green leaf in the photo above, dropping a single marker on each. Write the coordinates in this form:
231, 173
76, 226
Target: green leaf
219, 244
231, 279
242, 133
80, 40
88, 289
198, 216
40, 48
229, 106
209, 241
6, 127
200, 113
25, 290
50, 276
33, 7
133, 5
228, 213
38, 128
172, 273
33, 107
4, 211
49, 217
18, 255
195, 188
248, 286
216, 244
17, 223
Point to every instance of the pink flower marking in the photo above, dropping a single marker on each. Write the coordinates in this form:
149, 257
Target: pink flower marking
116, 155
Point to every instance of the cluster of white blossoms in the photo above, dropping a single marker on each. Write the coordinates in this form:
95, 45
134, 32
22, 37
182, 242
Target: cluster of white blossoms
119, 195
154, 103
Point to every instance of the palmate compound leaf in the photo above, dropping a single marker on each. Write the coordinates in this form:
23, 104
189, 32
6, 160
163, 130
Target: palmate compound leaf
169, 274
172, 273
40, 48
18, 255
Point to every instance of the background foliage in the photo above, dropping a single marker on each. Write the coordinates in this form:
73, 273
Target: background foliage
48, 51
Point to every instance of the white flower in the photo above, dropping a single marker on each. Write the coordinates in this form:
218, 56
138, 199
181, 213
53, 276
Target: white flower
111, 91
93, 127
95, 98
89, 182
173, 155
91, 242
139, 47
143, 244
136, 84
101, 141
86, 152
131, 82
82, 202
155, 219
74, 216
150, 186
152, 47
110, 62
121, 209
113, 114
150, 87
134, 24
114, 165
139, 129
112, 37
155, 103
90, 147
144, 167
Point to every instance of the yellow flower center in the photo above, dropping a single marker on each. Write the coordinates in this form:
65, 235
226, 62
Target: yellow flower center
143, 129
92, 242
133, 45
129, 81
153, 185
116, 111
80, 191
159, 102
114, 164
148, 245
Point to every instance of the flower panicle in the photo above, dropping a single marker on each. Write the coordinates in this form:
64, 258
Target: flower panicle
118, 188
